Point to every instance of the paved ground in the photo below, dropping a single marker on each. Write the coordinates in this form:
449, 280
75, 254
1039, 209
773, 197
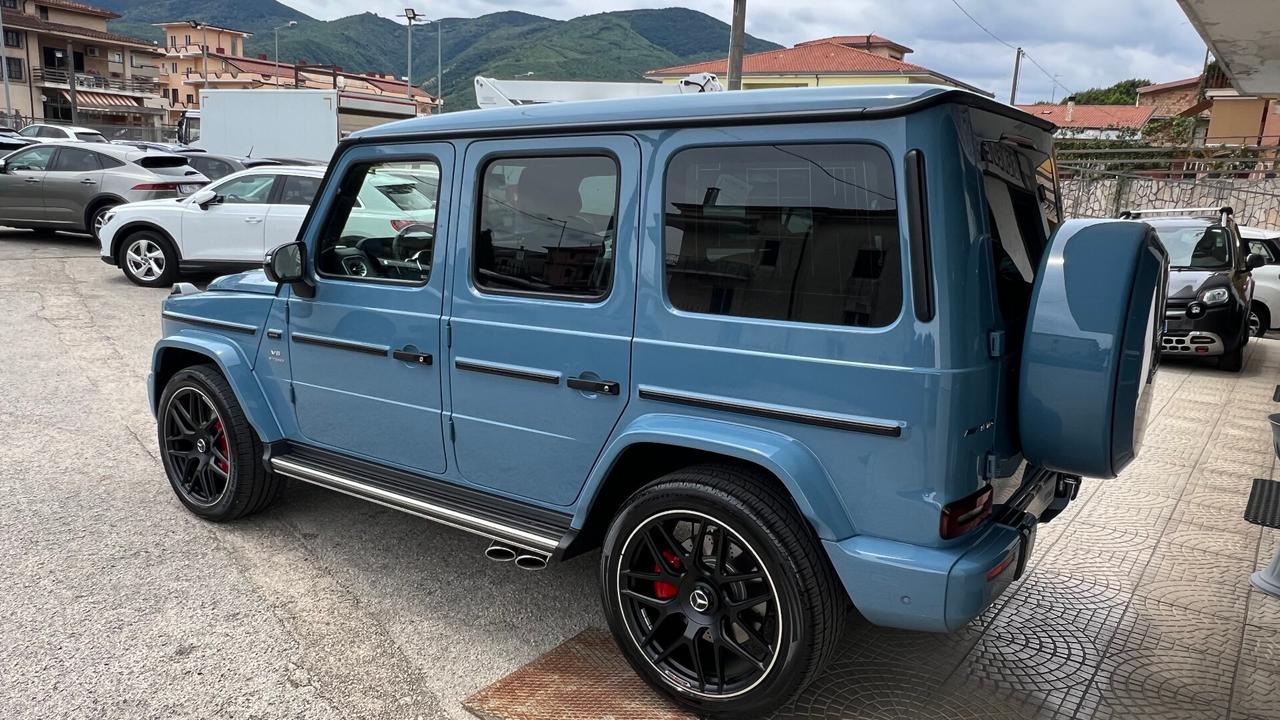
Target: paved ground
117, 603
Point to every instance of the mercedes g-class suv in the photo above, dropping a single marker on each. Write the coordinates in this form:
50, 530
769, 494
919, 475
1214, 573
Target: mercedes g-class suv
776, 353
1209, 310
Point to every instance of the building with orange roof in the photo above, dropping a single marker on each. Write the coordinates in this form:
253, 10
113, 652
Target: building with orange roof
1094, 122
837, 60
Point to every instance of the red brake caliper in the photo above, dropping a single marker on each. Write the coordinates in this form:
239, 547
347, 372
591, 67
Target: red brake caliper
223, 465
665, 590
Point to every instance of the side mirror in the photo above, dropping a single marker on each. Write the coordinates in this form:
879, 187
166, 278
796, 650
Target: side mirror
287, 264
1255, 261
4, 168
203, 197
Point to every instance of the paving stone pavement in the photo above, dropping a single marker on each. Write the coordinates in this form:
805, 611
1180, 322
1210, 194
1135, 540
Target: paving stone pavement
116, 603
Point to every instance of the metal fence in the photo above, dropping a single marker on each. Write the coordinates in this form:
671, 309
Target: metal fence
149, 133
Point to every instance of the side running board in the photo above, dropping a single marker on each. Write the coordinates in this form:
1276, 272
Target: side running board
531, 528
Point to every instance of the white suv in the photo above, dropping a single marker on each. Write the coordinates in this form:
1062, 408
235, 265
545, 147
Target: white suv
231, 224
1265, 313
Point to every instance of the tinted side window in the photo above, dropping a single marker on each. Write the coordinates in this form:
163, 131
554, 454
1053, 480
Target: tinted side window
807, 233
210, 168
299, 190
51, 132
36, 158
1258, 247
381, 226
250, 189
75, 160
547, 225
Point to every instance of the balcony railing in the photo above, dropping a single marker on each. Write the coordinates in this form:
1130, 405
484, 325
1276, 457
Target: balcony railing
86, 81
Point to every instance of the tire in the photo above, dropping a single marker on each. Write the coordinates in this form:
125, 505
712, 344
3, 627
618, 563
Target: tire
148, 259
95, 220
1259, 320
660, 626
213, 460
1232, 360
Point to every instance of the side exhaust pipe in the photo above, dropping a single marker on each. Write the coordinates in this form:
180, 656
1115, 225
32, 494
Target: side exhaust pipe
500, 552
531, 562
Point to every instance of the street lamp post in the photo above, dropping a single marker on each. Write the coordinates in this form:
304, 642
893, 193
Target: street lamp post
410, 15
291, 23
4, 71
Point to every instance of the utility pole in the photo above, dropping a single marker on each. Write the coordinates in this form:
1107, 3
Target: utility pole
1017, 70
4, 72
737, 33
291, 23
439, 66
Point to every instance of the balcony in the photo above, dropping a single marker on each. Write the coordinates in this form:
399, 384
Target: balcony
140, 86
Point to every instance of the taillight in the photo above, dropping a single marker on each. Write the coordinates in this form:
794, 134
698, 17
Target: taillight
965, 514
399, 225
156, 186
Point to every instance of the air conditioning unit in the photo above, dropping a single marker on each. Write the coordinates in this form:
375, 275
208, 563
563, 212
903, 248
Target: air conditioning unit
92, 51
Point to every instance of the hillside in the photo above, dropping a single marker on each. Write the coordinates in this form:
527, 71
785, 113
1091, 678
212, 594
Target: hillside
618, 46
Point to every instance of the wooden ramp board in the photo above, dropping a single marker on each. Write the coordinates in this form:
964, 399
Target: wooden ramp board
583, 678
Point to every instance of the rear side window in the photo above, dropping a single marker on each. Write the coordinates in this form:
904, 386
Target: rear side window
805, 233
76, 160
547, 225
210, 167
299, 190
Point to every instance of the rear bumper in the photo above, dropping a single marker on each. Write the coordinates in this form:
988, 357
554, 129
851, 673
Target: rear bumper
940, 589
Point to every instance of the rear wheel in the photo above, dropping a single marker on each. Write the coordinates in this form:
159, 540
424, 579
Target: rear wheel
98, 219
148, 259
211, 454
718, 593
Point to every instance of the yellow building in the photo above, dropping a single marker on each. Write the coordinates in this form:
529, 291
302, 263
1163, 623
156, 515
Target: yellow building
65, 67
200, 56
839, 60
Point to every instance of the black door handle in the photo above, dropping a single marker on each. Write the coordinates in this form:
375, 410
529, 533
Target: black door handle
604, 387
413, 357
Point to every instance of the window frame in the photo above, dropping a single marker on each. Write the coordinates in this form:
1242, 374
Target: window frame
900, 198
71, 151
17, 37
327, 221
271, 191
17, 64
32, 149
481, 169
277, 194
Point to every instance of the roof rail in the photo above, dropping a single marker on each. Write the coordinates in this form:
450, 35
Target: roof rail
1225, 210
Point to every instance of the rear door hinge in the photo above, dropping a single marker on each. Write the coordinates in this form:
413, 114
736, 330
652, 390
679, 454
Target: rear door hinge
995, 343
992, 466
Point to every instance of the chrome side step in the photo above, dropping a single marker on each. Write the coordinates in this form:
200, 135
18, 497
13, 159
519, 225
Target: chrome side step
485, 527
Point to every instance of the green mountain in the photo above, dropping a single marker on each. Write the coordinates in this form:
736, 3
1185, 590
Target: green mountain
619, 46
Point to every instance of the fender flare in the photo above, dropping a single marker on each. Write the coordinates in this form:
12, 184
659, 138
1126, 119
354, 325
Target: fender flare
806, 480
234, 367
101, 199
133, 225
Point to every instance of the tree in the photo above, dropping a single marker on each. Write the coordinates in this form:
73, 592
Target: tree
1124, 92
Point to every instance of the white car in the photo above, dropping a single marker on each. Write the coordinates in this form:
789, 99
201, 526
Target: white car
231, 224
44, 132
1265, 314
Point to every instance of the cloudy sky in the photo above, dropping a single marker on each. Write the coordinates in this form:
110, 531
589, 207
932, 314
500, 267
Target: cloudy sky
1085, 43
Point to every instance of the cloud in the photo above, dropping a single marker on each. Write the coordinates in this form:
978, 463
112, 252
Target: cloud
1085, 43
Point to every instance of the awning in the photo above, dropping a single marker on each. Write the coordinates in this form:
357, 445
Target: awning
101, 100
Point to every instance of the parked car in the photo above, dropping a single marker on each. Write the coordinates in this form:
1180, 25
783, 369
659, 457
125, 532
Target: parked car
298, 161
216, 167
10, 140
72, 186
1210, 293
1266, 279
230, 224
772, 351
45, 132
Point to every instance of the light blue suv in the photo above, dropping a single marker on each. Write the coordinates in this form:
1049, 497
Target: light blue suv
775, 352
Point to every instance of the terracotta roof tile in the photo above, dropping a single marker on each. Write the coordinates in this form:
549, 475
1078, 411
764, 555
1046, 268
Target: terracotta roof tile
78, 7
31, 22
1124, 117
856, 40
1169, 85
816, 57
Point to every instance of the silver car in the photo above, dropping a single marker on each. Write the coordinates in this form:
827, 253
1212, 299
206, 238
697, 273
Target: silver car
71, 186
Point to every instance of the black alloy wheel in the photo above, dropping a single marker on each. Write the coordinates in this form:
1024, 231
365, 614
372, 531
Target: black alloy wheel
195, 443
699, 603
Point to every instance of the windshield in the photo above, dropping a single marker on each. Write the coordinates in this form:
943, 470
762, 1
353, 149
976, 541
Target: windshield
1196, 246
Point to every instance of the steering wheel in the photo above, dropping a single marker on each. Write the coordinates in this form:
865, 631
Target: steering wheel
397, 252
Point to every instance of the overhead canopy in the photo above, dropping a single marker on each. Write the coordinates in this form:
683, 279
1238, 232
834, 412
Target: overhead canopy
108, 103
1244, 35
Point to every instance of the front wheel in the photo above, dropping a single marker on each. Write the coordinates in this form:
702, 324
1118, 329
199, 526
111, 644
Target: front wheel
148, 259
1259, 320
718, 592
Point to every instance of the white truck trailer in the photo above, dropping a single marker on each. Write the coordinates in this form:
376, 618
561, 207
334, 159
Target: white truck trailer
288, 123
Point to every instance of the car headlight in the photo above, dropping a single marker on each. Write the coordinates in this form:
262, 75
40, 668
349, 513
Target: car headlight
1216, 296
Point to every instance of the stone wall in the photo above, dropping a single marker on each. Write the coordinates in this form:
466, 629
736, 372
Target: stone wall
1256, 202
